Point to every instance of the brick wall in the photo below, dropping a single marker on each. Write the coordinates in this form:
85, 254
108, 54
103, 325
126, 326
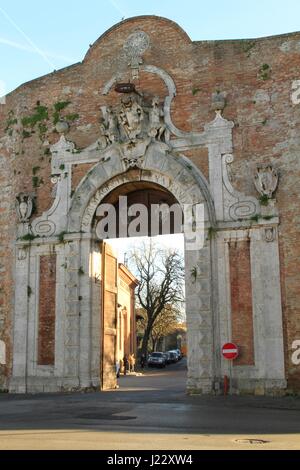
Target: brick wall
7, 235
79, 172
46, 323
241, 302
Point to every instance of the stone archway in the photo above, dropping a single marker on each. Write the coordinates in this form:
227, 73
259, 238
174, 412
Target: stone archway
169, 173
147, 199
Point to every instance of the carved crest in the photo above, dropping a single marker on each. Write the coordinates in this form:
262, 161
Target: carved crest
132, 121
24, 206
135, 46
266, 180
270, 234
130, 118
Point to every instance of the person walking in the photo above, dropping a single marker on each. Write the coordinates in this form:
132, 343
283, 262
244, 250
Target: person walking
131, 362
143, 361
118, 369
125, 363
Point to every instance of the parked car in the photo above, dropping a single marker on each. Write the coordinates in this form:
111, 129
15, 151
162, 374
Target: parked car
157, 359
167, 357
173, 356
180, 355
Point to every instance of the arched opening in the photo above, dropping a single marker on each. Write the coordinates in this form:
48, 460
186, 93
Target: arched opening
80, 325
184, 183
156, 201
124, 318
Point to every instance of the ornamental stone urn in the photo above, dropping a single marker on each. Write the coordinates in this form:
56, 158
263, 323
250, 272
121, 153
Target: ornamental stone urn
62, 127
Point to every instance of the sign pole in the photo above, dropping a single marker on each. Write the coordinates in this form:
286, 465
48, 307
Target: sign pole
230, 352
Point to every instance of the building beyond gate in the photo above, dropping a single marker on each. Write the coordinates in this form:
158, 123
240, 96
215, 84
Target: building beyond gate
215, 123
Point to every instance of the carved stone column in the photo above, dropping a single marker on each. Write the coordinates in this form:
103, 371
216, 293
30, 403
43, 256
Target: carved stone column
18, 382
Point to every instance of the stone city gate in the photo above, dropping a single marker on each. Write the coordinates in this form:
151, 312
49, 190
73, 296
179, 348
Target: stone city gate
232, 283
75, 268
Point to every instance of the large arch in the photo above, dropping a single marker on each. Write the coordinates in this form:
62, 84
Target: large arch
189, 187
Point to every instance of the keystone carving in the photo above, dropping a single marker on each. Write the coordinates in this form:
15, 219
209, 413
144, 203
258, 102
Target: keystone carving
266, 180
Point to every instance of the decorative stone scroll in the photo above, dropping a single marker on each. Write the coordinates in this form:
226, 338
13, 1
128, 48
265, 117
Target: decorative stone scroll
44, 228
237, 206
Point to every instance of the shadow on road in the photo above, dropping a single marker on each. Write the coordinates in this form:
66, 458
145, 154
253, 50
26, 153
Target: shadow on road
155, 402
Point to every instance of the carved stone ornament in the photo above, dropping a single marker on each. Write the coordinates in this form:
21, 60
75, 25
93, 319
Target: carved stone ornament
236, 204
218, 101
22, 254
133, 163
266, 180
55, 179
270, 234
24, 207
62, 146
135, 46
132, 121
62, 127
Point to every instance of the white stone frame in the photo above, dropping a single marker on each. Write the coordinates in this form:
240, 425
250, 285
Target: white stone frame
28, 375
162, 169
268, 371
73, 368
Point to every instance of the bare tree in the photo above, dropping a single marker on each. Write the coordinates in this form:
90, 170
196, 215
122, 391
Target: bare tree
161, 283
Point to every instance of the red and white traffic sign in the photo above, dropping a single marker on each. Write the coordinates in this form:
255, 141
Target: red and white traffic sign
230, 351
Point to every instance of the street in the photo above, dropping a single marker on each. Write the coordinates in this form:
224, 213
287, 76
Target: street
148, 412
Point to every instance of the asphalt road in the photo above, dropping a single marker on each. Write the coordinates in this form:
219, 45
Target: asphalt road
148, 412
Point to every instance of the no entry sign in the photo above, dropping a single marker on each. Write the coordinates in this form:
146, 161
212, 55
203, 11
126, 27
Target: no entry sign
230, 351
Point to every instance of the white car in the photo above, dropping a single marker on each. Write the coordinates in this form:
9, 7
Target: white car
177, 352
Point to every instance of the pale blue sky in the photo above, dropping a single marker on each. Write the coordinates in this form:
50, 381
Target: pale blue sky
123, 246
38, 36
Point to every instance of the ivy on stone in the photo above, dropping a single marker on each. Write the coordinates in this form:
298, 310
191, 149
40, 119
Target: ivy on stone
40, 114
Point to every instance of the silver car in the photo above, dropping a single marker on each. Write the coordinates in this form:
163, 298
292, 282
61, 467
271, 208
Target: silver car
173, 356
157, 359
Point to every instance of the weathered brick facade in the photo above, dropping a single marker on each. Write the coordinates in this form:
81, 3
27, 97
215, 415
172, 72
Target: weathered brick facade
46, 333
241, 301
258, 78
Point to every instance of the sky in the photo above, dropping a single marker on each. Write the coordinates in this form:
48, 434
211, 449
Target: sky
123, 247
37, 37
